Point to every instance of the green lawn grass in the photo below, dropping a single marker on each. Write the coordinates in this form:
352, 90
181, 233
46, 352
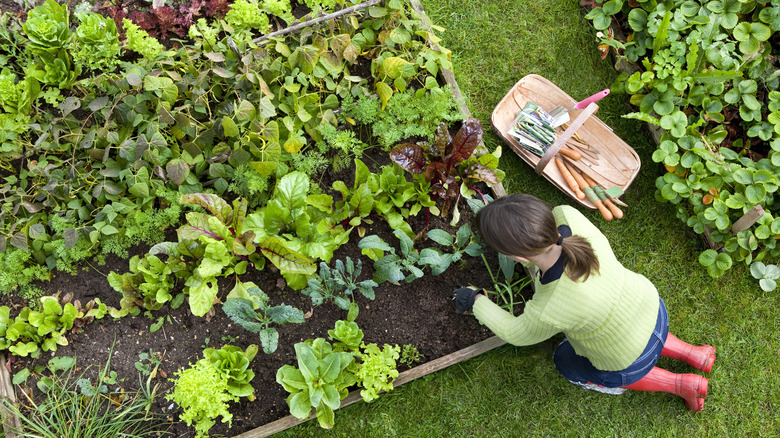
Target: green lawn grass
516, 391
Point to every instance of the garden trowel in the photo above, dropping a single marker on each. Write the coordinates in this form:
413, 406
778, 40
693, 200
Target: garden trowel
560, 115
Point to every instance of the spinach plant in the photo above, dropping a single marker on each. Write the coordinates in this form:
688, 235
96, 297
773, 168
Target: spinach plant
32, 332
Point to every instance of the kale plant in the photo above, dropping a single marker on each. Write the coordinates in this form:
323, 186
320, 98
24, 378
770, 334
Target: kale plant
462, 243
392, 267
249, 307
339, 284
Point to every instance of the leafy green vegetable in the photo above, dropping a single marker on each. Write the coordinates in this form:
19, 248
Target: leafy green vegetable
331, 284
377, 369
249, 307
319, 382
202, 392
233, 362
450, 164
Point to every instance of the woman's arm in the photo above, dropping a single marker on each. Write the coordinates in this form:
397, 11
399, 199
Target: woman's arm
526, 329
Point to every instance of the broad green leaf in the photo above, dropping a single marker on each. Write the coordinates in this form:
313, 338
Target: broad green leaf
385, 93
229, 127
441, 237
202, 294
286, 259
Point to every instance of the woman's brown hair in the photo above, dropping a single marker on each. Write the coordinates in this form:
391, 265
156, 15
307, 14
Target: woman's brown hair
524, 225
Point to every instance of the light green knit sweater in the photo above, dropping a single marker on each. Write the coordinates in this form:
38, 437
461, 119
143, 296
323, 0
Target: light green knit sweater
608, 318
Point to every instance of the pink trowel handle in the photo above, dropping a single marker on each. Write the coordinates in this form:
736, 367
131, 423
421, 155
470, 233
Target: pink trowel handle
595, 98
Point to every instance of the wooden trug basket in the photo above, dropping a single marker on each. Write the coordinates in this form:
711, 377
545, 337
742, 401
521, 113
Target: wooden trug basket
615, 164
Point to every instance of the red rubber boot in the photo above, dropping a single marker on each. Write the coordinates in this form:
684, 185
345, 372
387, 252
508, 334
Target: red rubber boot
700, 358
691, 387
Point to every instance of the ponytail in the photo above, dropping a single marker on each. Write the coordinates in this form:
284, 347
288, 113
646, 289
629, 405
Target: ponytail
523, 225
582, 260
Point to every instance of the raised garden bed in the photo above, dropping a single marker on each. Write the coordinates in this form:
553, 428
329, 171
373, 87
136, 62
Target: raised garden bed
419, 313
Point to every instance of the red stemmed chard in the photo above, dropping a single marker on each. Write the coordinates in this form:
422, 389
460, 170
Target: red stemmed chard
449, 162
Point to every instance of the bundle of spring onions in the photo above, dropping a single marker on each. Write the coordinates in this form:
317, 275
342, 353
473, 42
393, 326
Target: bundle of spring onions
532, 129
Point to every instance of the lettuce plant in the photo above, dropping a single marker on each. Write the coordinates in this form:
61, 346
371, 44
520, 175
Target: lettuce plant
48, 28
148, 284
319, 382
139, 41
97, 42
233, 362
377, 369
325, 371
347, 335
203, 390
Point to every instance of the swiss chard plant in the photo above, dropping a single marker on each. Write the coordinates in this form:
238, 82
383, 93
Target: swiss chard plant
212, 244
249, 307
294, 229
450, 163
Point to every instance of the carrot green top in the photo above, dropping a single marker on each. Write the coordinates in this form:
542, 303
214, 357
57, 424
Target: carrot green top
608, 318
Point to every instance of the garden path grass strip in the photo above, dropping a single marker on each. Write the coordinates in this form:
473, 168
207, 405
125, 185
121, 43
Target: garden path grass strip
405, 377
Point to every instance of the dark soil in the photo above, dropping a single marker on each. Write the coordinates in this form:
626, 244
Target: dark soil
420, 313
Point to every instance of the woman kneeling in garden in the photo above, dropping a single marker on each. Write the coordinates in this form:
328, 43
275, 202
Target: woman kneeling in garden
615, 323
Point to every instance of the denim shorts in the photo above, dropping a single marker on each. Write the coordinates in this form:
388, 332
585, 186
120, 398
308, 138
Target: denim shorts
578, 369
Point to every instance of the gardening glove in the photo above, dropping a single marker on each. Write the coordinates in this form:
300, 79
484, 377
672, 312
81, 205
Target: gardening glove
464, 298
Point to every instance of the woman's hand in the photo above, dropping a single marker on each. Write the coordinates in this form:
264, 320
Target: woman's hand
464, 298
